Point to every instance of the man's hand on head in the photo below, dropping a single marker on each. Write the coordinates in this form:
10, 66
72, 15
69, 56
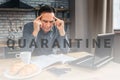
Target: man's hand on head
37, 24
60, 26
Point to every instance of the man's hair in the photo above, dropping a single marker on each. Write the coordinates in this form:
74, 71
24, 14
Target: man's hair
46, 8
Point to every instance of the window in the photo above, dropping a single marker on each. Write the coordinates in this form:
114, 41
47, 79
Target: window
116, 14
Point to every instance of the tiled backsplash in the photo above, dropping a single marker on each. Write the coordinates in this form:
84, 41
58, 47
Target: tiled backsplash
16, 20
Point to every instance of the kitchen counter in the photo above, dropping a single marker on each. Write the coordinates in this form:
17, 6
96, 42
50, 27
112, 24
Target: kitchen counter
110, 71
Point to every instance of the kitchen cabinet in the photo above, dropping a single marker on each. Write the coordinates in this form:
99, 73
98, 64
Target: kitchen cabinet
116, 49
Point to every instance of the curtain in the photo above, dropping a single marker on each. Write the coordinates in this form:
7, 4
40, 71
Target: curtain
100, 16
93, 17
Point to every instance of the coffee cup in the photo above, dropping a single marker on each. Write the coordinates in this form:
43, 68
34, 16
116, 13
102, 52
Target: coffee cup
24, 56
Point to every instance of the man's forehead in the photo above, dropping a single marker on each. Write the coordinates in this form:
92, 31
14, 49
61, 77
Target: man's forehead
47, 15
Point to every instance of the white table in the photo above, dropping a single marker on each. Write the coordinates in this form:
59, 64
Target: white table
111, 71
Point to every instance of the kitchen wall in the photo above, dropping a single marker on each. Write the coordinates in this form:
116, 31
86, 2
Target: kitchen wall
16, 19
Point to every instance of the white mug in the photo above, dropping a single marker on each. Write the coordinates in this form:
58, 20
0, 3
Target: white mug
24, 56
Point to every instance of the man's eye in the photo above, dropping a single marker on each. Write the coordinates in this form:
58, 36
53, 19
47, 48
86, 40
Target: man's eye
45, 21
51, 21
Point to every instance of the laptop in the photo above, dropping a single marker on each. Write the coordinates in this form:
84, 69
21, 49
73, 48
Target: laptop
102, 55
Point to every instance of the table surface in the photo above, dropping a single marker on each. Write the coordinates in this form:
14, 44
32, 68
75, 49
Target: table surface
110, 71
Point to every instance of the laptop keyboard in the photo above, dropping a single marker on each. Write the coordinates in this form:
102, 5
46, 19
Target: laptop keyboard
80, 60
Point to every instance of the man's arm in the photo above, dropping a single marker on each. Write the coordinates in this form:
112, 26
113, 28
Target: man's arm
37, 24
63, 40
62, 37
27, 35
60, 26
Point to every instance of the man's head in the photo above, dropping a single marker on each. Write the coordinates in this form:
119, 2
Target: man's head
47, 14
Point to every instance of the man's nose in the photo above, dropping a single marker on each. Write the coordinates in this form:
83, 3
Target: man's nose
48, 24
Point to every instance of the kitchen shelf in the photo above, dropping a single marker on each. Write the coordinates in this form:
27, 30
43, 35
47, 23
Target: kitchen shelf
57, 9
16, 9
67, 22
62, 9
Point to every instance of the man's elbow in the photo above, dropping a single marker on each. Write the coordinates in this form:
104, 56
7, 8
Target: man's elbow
65, 50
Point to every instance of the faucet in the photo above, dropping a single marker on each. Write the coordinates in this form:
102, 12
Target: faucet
14, 30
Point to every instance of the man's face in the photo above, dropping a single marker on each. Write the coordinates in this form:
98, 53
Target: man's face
47, 20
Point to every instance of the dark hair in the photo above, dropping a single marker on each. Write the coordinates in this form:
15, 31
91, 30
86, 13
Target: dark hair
46, 8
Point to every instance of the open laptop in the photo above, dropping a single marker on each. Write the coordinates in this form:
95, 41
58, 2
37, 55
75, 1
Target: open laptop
103, 53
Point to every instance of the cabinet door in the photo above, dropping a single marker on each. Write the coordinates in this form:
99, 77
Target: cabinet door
116, 50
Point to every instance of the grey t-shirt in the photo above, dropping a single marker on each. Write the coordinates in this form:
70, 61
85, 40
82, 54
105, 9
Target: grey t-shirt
44, 43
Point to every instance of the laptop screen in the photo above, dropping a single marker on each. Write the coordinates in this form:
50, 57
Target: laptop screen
104, 47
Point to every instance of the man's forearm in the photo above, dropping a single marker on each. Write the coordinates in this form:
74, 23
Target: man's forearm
35, 33
62, 32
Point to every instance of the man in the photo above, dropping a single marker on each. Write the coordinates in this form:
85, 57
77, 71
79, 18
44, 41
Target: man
45, 32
